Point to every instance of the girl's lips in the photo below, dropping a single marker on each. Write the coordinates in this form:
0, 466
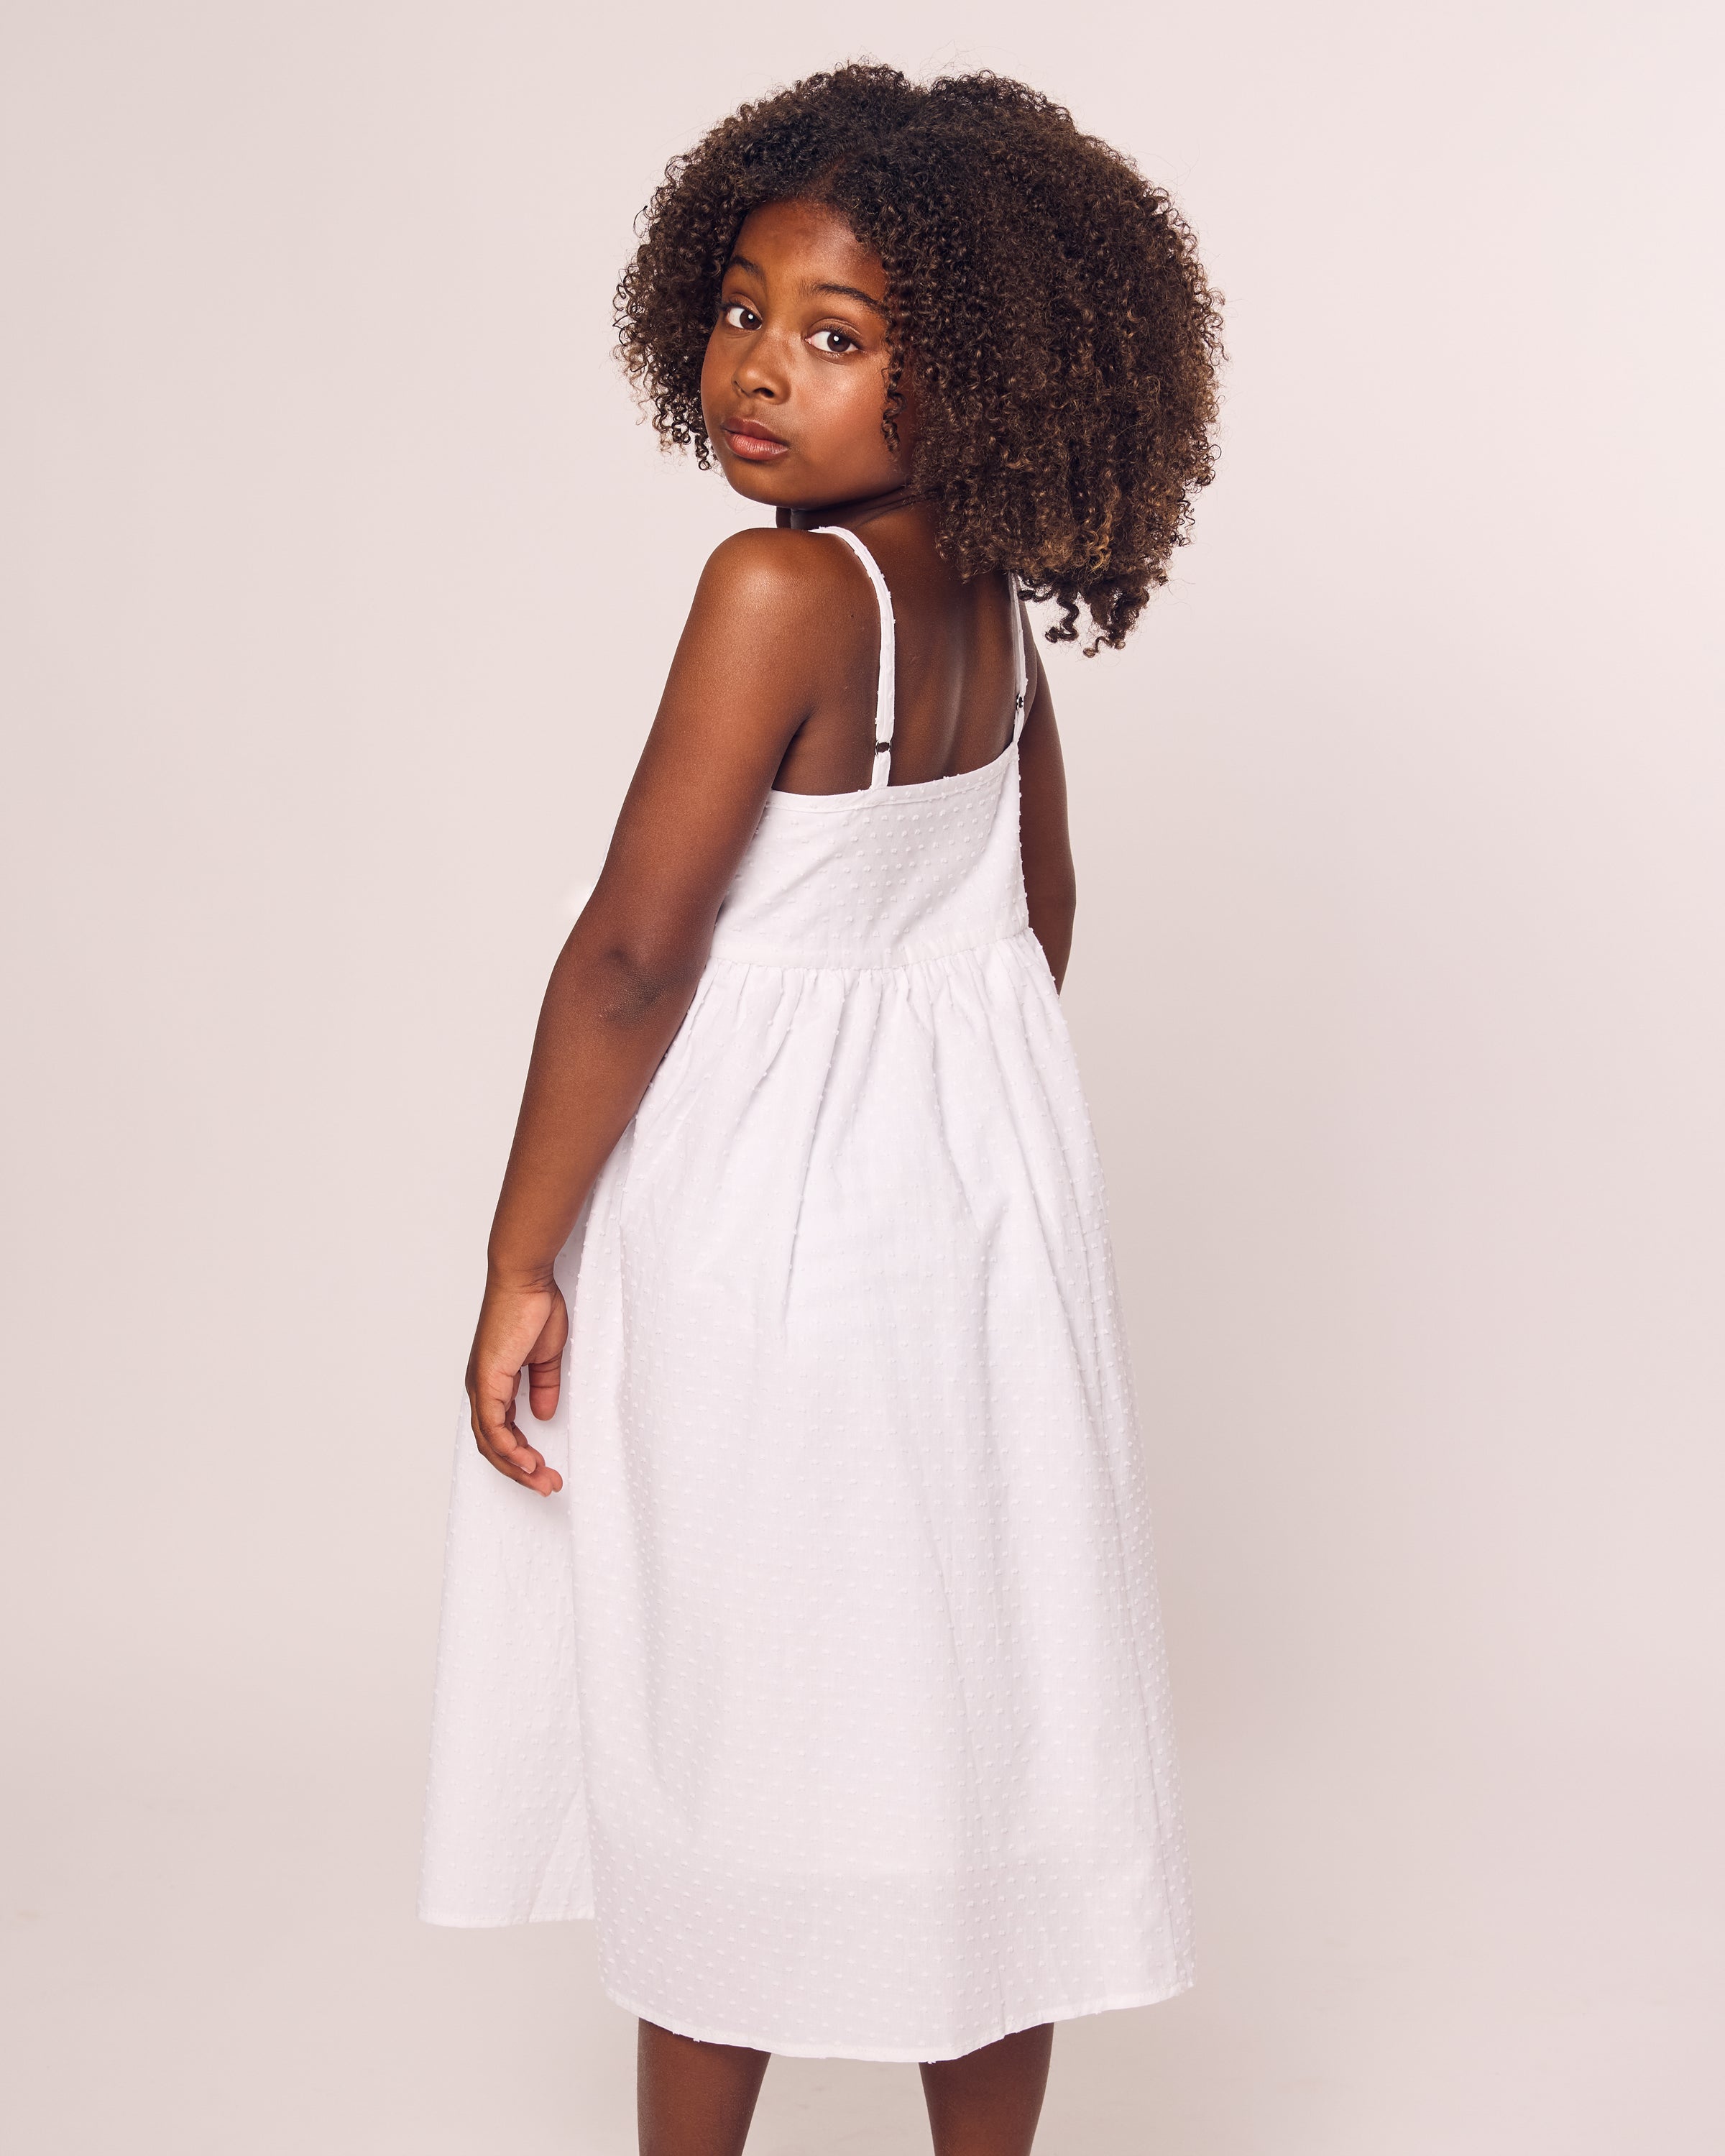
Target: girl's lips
755, 443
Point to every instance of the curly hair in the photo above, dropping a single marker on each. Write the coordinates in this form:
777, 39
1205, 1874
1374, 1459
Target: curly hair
1048, 300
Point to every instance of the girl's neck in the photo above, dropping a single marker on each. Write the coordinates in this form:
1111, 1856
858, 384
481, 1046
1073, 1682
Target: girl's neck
907, 501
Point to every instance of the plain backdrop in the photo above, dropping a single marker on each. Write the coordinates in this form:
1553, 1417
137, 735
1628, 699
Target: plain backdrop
339, 579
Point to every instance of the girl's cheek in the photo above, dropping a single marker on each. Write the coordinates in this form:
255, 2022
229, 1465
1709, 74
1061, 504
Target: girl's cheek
712, 359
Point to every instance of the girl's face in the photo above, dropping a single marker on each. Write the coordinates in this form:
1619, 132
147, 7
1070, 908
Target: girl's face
794, 382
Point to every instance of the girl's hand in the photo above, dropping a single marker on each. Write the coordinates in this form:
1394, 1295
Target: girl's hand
518, 1327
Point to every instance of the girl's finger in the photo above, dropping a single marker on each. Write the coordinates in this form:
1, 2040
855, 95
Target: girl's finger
522, 1464
545, 1365
500, 1437
493, 1409
545, 1378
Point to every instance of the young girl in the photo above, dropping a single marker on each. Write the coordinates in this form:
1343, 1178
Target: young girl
813, 1647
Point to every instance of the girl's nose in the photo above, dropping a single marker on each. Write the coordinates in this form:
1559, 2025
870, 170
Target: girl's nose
757, 376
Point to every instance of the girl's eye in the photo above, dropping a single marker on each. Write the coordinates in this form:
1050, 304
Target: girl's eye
834, 342
731, 310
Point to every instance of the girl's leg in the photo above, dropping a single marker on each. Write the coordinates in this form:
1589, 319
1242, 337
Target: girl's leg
987, 2102
694, 2099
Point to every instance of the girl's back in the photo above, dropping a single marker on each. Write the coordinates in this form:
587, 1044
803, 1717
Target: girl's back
954, 675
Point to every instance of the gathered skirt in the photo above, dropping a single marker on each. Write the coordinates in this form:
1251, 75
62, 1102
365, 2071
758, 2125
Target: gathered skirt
831, 1683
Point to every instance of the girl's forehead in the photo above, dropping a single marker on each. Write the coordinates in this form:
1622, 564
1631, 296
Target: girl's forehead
806, 242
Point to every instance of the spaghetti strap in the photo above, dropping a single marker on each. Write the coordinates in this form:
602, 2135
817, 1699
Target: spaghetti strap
885, 697
1020, 671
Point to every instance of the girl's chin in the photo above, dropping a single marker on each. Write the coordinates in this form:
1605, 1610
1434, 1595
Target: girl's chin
775, 488
753, 481
789, 501
768, 481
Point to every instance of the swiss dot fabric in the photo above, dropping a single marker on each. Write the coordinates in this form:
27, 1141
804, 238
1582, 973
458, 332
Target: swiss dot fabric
831, 1683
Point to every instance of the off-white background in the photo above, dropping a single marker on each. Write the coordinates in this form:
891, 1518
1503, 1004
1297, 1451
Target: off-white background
338, 585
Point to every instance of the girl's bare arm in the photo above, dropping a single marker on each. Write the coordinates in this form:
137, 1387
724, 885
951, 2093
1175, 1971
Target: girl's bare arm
1049, 884
743, 681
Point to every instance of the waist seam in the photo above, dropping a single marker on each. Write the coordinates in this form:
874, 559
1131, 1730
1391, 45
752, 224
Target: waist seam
927, 955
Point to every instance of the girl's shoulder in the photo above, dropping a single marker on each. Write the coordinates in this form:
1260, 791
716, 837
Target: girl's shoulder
786, 614
767, 569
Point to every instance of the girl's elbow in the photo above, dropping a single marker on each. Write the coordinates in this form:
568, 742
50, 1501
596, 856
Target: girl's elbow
628, 976
641, 977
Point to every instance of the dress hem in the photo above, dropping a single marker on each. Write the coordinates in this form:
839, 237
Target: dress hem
504, 1923
898, 2055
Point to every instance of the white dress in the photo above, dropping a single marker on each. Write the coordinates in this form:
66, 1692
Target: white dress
831, 1683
